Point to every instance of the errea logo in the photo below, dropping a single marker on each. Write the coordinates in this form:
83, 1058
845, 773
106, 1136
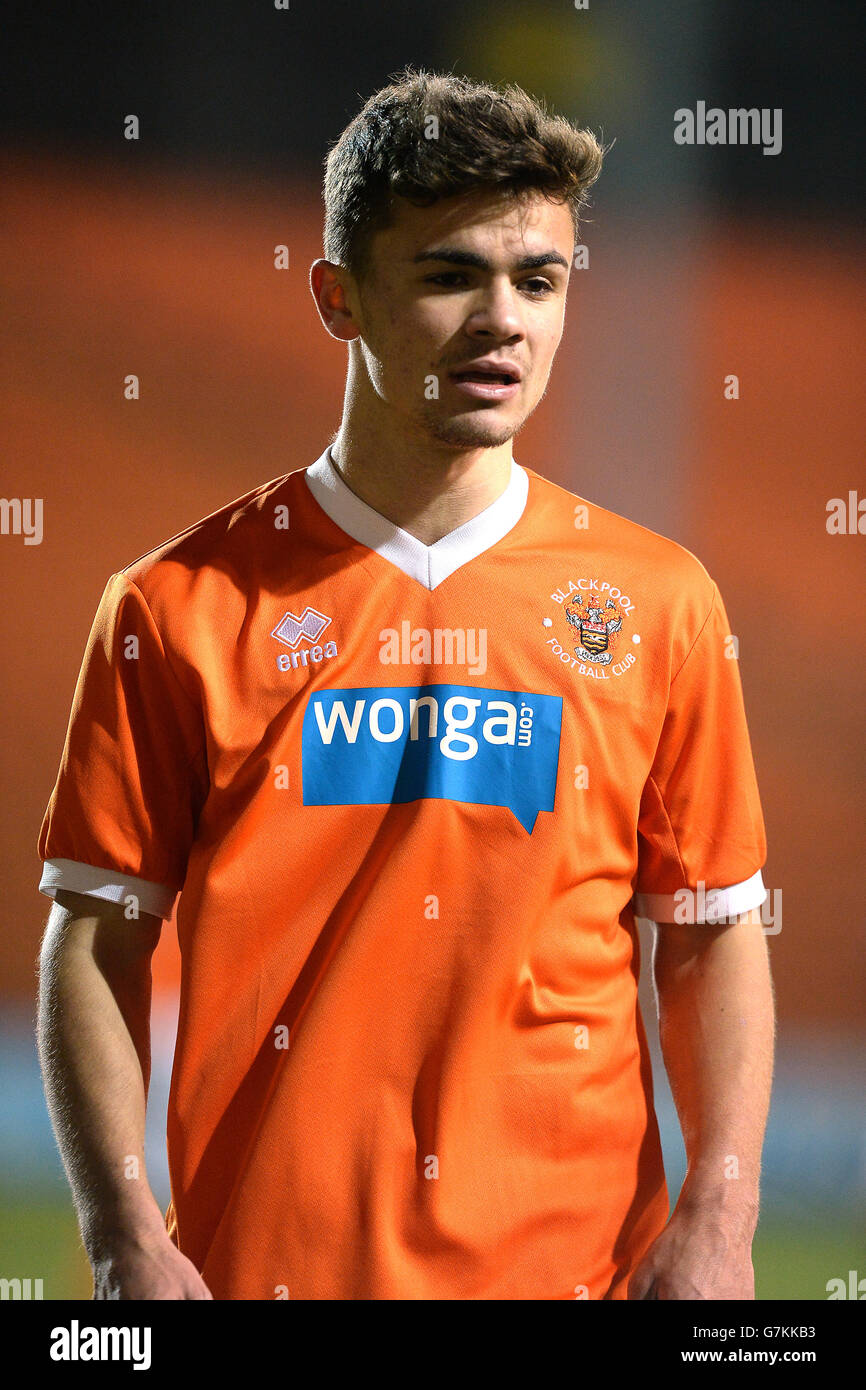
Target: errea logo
292, 630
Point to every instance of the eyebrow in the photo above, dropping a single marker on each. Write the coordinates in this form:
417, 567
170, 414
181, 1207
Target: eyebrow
454, 257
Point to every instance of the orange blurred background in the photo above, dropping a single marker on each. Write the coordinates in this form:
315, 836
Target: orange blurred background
173, 280
169, 275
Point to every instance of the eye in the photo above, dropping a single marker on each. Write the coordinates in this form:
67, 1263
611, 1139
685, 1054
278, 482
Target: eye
537, 287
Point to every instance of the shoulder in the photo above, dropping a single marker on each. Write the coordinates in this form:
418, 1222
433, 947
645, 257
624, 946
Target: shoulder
594, 536
218, 555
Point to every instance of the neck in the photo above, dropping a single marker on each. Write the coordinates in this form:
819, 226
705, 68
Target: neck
419, 483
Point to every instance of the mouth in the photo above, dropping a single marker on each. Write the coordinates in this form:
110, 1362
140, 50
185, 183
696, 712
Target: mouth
486, 385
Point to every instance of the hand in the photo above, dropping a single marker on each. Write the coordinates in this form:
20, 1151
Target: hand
149, 1268
697, 1256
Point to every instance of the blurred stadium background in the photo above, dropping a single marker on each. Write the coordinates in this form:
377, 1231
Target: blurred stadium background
155, 257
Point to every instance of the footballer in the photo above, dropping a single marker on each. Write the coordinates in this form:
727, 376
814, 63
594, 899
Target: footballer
416, 735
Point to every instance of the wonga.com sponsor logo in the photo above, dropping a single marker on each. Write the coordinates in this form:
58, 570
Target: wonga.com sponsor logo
378, 745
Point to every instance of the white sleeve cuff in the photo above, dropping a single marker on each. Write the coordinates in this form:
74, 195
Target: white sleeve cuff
113, 887
702, 905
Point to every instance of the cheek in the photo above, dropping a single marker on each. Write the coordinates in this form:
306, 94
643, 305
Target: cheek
415, 342
422, 331
547, 344
402, 351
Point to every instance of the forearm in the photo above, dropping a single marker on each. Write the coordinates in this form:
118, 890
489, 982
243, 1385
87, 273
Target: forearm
716, 1027
94, 1047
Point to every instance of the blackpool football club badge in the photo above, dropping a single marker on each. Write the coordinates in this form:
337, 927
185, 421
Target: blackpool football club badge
601, 638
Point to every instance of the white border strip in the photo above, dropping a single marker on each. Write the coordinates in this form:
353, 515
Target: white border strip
429, 564
721, 902
113, 887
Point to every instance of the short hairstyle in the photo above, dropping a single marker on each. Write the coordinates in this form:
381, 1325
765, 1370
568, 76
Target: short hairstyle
485, 138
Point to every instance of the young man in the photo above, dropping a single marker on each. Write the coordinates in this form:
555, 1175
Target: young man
417, 732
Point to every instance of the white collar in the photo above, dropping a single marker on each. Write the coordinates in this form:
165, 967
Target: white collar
429, 564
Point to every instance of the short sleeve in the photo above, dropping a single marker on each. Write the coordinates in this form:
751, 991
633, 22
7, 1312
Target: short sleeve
133, 773
700, 824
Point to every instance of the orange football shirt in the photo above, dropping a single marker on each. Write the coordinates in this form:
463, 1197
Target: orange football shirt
414, 797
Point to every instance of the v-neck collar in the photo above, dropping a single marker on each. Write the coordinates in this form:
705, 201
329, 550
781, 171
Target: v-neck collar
429, 564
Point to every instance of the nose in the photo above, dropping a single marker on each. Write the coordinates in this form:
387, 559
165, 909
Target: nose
497, 312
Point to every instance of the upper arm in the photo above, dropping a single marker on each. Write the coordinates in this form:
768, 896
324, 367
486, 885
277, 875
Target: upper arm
701, 835
133, 775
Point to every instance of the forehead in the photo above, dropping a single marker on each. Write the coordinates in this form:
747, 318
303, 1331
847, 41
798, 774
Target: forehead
507, 227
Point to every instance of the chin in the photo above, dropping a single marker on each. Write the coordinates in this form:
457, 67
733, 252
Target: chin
472, 431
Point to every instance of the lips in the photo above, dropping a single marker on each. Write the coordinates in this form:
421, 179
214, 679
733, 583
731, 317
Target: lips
504, 377
504, 373
485, 387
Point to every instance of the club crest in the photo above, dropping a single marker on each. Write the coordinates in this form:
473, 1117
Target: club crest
604, 641
594, 630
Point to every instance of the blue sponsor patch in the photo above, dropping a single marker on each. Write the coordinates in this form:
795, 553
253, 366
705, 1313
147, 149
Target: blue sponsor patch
375, 745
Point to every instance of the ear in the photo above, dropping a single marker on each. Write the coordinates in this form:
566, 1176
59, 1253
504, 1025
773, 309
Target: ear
333, 292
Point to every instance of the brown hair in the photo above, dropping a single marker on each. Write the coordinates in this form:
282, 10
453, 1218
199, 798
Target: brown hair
484, 138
